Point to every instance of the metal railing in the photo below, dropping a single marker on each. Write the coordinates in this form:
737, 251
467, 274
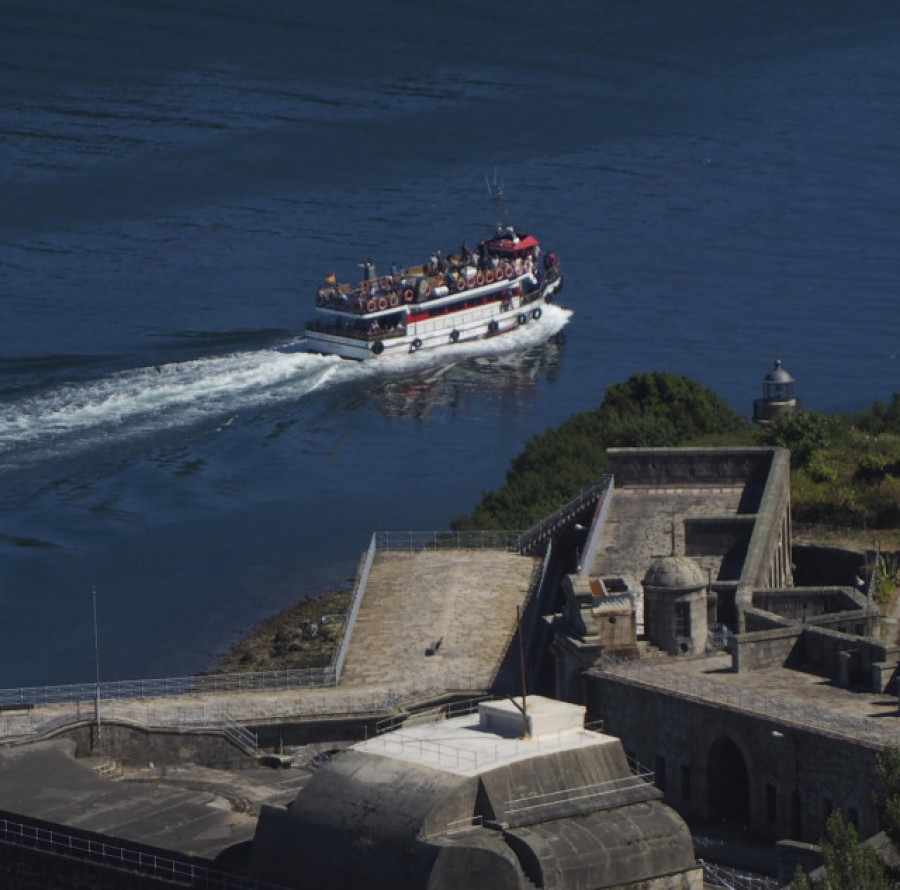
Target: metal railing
244, 738
732, 879
337, 662
193, 715
594, 792
431, 715
601, 512
121, 856
447, 540
565, 514
25, 697
450, 755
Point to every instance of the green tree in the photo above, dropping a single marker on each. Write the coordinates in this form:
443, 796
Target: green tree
887, 801
804, 433
881, 418
648, 410
849, 865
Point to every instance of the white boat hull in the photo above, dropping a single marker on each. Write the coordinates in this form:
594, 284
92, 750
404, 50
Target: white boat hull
491, 319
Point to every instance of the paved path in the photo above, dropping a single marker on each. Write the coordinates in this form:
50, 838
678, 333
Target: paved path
463, 600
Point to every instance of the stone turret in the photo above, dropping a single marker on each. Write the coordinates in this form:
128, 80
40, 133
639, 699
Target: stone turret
675, 609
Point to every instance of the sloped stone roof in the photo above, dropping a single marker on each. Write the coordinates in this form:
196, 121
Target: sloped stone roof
675, 573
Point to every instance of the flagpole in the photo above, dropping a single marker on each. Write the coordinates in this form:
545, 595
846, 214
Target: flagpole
97, 667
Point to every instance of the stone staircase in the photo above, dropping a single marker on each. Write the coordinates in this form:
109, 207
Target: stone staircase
106, 767
647, 651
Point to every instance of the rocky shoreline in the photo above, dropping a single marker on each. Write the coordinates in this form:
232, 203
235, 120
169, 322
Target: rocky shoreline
301, 636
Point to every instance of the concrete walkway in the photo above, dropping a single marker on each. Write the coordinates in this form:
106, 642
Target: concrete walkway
187, 810
436, 616
458, 605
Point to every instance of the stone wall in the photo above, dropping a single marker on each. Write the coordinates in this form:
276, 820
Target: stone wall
717, 535
806, 603
848, 658
817, 565
792, 776
768, 562
690, 467
133, 745
763, 648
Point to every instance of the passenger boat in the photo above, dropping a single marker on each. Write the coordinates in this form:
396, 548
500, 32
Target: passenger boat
471, 295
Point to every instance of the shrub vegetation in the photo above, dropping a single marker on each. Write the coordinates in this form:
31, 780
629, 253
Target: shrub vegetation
845, 468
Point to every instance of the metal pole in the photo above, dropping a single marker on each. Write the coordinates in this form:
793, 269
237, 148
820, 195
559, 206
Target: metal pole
526, 734
97, 666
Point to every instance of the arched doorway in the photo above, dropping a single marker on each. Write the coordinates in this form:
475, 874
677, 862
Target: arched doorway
728, 782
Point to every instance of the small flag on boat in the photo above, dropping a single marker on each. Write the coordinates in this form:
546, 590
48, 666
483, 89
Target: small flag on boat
330, 279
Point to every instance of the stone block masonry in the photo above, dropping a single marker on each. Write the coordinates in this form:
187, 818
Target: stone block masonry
719, 761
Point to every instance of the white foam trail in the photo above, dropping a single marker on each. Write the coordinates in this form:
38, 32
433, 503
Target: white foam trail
179, 394
158, 397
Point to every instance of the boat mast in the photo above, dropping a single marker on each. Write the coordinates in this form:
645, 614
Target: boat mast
495, 191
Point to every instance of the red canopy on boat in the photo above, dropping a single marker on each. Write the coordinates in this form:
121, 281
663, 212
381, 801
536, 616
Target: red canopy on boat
516, 248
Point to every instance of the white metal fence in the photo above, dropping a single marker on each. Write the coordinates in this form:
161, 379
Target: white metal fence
121, 855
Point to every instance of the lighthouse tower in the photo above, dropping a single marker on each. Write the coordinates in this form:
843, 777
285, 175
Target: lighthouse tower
778, 397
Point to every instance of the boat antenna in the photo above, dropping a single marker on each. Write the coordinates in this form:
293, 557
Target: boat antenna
495, 190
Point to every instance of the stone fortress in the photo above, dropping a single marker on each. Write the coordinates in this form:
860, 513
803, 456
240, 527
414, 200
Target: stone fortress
675, 673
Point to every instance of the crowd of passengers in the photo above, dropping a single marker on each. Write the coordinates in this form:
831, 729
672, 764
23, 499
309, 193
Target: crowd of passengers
399, 283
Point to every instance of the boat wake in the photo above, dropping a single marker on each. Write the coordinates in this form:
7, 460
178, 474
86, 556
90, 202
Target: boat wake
213, 390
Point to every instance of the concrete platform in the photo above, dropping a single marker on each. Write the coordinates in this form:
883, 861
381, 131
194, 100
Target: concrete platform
805, 699
436, 615
188, 810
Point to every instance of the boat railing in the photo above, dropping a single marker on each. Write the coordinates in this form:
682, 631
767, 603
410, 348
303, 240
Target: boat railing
335, 327
394, 291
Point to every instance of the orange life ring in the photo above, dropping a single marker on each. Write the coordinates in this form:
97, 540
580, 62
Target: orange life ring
382, 303
509, 272
371, 306
479, 279
460, 283
395, 300
408, 295
489, 276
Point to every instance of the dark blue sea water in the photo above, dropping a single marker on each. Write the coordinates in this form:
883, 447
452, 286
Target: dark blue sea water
719, 178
